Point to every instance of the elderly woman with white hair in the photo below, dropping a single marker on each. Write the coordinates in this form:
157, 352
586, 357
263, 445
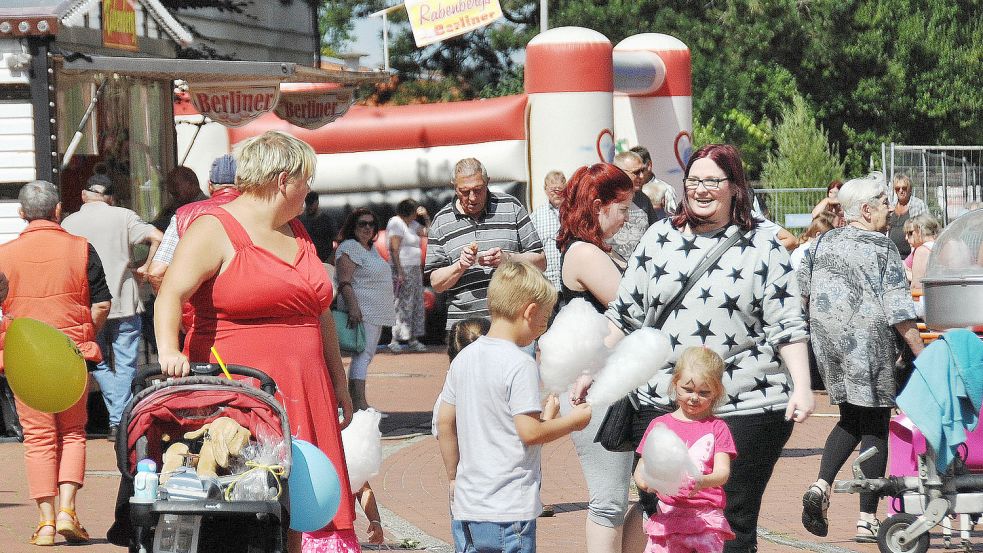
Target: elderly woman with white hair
856, 295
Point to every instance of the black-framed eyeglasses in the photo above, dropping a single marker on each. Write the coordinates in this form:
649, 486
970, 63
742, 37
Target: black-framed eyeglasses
638, 172
365, 224
692, 183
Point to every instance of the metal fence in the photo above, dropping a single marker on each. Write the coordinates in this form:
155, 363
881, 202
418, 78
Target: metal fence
948, 178
789, 207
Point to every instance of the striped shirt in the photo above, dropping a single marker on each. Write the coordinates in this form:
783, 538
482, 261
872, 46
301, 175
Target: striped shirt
504, 224
546, 219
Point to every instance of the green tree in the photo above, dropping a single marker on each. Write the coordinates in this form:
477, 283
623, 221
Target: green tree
803, 158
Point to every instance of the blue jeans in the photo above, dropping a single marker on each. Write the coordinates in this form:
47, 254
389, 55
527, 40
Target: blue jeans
124, 335
494, 537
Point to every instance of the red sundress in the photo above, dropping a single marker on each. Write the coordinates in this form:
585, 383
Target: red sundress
264, 313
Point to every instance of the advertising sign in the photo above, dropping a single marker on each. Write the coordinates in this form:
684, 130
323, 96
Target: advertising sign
436, 20
234, 104
313, 106
119, 25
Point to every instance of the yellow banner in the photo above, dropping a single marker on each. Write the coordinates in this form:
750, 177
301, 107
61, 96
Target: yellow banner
119, 25
436, 20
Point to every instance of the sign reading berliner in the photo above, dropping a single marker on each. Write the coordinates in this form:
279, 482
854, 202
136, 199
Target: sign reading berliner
313, 106
436, 20
232, 104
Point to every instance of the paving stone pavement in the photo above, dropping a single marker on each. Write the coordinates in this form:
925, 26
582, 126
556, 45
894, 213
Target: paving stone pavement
412, 489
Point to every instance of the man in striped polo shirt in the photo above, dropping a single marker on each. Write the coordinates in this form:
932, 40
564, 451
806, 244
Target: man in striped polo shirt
471, 236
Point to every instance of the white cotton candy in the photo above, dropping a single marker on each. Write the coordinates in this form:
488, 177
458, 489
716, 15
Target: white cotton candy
362, 441
573, 345
667, 462
635, 360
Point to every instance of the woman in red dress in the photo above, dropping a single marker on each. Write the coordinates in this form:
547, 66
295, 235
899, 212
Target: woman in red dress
261, 298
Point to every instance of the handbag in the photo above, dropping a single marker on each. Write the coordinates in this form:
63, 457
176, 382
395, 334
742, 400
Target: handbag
349, 339
616, 429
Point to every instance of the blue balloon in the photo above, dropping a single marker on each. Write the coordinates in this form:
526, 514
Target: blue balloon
315, 491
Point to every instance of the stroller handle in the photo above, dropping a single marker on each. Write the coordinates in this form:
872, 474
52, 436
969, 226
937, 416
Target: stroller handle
266, 383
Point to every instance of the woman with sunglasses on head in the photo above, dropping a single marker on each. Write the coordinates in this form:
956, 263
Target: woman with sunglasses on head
906, 207
744, 306
596, 203
366, 286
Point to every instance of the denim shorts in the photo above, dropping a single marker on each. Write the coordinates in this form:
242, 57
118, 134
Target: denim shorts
494, 537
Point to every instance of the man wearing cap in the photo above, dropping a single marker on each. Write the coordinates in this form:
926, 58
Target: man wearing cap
221, 189
113, 231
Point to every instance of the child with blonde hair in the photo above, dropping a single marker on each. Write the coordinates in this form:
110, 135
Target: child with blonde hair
492, 423
693, 518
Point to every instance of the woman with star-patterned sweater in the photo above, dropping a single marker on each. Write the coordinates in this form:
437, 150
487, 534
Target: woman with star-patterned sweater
746, 307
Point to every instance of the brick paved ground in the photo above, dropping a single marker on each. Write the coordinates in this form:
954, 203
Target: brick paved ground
412, 485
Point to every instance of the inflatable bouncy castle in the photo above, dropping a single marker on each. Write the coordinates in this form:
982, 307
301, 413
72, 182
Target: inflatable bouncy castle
584, 100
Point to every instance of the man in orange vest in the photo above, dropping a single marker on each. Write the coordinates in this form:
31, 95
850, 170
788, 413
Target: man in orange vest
56, 278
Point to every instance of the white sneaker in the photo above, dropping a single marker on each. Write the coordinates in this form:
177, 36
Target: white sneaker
396, 347
417, 346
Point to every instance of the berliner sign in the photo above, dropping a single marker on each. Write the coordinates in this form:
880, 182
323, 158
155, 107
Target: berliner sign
313, 106
233, 104
436, 20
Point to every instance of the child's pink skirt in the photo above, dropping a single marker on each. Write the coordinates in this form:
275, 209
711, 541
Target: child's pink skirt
338, 541
687, 529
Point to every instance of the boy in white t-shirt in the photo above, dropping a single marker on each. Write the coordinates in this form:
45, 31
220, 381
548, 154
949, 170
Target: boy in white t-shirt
492, 423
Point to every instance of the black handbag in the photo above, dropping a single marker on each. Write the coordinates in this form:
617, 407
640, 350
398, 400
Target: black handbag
615, 431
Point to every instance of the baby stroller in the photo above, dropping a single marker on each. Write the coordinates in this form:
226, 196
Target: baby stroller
938, 396
201, 519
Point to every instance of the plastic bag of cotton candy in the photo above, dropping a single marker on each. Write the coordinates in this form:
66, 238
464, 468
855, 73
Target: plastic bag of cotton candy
362, 441
635, 360
574, 345
667, 462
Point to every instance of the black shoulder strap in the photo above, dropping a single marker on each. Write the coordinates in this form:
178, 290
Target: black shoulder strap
694, 276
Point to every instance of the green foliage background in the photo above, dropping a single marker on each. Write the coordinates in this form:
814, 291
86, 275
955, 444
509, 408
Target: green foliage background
868, 71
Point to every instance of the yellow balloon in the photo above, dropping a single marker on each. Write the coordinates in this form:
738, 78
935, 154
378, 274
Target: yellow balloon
44, 366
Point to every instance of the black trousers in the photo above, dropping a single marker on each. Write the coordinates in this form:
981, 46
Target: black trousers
759, 440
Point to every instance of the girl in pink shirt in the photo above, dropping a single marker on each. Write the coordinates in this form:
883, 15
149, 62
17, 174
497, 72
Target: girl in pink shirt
693, 519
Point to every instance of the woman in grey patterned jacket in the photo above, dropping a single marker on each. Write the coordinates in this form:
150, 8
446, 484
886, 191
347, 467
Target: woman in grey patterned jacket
853, 283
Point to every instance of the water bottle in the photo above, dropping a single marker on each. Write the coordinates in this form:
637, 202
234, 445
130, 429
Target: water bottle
145, 482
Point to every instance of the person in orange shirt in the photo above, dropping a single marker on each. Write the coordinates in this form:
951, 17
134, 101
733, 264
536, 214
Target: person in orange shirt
56, 278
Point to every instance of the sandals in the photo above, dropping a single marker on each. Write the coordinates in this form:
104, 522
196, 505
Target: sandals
815, 503
45, 540
72, 529
867, 531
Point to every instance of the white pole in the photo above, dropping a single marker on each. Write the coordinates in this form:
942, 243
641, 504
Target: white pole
544, 11
385, 39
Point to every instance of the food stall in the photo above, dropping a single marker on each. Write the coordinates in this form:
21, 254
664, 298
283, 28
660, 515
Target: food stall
88, 85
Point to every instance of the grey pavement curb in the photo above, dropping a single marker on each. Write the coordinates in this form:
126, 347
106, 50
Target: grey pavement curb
399, 526
786, 540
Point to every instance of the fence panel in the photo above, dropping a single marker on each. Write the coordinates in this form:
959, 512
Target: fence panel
789, 207
948, 178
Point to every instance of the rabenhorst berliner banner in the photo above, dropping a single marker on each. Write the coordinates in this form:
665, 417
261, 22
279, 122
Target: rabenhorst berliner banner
436, 20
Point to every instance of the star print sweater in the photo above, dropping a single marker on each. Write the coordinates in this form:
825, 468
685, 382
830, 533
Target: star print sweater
744, 307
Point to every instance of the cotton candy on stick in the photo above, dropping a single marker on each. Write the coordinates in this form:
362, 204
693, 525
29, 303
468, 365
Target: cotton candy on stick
362, 441
667, 462
574, 345
635, 360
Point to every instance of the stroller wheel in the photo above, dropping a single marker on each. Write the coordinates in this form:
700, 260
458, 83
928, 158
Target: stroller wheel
889, 537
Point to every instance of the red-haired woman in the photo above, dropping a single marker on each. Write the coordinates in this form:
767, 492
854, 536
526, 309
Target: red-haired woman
745, 306
595, 206
831, 204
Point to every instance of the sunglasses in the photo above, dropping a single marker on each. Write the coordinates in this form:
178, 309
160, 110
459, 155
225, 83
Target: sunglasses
369, 224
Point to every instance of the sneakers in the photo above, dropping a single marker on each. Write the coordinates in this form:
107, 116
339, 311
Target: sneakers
414, 345
815, 503
396, 347
867, 531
